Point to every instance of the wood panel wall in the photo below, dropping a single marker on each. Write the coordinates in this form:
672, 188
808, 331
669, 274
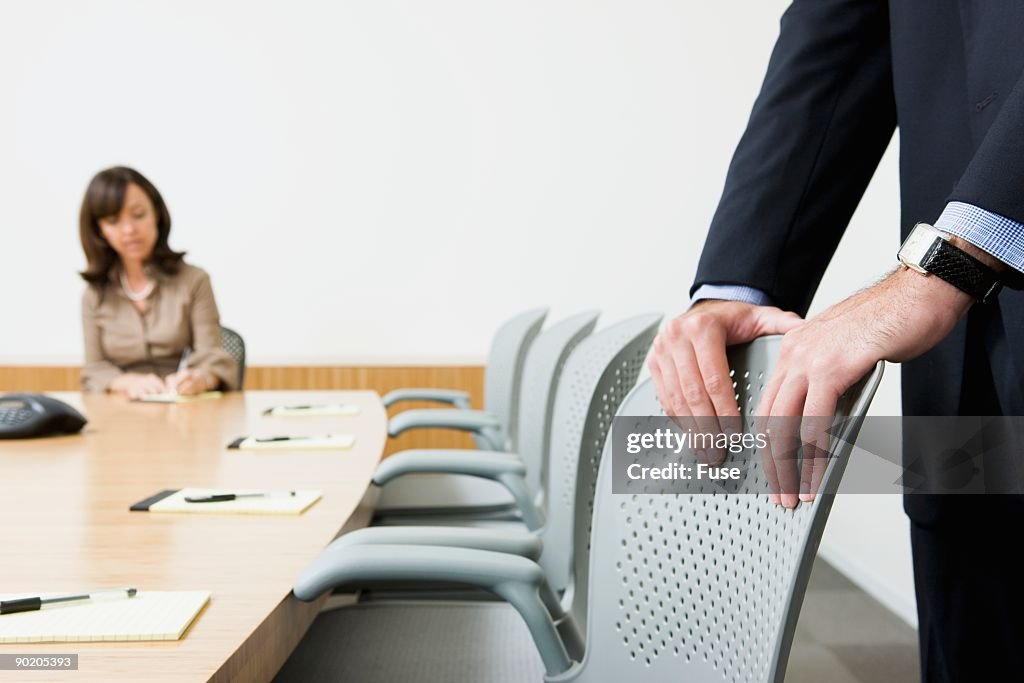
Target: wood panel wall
381, 379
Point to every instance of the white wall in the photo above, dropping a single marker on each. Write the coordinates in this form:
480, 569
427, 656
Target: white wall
384, 181
377, 180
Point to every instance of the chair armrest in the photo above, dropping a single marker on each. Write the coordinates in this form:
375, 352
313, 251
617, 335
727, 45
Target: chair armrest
504, 468
448, 461
459, 399
510, 541
476, 421
517, 580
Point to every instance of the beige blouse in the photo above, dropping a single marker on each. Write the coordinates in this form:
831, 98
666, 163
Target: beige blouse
182, 312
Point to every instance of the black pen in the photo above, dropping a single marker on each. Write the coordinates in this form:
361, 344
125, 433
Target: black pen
270, 439
37, 603
224, 497
270, 410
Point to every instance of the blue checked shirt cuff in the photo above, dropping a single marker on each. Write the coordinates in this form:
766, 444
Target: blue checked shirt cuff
1000, 236
748, 295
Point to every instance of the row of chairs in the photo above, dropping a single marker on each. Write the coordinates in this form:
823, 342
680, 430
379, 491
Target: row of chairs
519, 386
590, 586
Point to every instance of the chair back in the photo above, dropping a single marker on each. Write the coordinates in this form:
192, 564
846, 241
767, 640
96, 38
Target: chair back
503, 374
235, 346
707, 586
597, 376
541, 372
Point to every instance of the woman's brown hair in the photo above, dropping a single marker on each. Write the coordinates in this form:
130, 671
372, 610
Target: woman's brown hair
104, 198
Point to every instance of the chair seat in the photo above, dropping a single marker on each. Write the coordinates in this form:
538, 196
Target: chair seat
443, 500
416, 642
414, 492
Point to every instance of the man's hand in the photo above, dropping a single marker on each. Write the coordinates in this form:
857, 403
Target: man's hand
135, 385
898, 319
689, 365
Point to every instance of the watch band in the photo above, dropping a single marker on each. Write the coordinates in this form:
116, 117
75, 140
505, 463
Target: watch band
963, 271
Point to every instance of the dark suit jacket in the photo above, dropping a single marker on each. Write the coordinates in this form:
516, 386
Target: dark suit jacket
843, 74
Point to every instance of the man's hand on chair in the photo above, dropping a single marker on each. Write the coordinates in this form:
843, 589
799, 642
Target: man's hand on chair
897, 319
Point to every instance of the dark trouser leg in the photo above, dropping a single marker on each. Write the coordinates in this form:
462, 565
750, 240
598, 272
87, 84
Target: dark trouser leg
970, 588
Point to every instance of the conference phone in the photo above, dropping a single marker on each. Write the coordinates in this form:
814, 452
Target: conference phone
25, 416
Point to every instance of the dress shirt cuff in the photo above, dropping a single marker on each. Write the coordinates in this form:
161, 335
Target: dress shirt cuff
748, 295
1000, 236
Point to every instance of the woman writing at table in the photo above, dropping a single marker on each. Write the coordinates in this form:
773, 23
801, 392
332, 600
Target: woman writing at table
144, 306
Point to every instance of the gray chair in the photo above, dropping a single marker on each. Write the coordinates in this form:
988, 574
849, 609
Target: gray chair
705, 587
702, 587
492, 427
235, 346
421, 485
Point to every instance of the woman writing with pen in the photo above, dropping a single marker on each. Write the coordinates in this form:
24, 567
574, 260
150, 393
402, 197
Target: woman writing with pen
149, 320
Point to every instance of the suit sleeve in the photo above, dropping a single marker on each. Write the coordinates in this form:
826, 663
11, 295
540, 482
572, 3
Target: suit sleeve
208, 352
819, 127
994, 180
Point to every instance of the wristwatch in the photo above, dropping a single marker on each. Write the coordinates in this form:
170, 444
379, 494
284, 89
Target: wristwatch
929, 251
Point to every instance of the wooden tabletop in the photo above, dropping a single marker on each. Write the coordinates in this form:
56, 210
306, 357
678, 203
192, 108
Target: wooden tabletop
65, 525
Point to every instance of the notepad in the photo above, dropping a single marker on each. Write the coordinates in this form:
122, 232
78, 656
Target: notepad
150, 615
327, 409
175, 398
280, 503
292, 443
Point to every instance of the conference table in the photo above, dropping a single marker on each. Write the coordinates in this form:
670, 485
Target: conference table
66, 525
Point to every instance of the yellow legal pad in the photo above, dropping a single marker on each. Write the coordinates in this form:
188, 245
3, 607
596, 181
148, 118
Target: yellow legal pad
175, 398
278, 503
150, 615
324, 410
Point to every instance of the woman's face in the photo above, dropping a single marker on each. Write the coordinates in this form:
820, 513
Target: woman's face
132, 233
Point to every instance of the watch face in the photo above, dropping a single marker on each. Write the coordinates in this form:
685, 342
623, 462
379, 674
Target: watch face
918, 243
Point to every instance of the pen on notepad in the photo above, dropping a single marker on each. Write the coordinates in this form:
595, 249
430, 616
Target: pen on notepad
272, 439
224, 497
37, 603
182, 365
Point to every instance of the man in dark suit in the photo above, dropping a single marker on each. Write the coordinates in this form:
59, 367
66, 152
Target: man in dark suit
842, 75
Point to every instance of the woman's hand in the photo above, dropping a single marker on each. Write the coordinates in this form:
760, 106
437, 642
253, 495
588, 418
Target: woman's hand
135, 385
189, 382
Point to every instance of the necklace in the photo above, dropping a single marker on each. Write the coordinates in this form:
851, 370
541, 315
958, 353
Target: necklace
140, 295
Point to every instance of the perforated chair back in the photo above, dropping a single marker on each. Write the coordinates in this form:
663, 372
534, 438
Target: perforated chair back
596, 378
235, 346
503, 374
707, 586
541, 372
